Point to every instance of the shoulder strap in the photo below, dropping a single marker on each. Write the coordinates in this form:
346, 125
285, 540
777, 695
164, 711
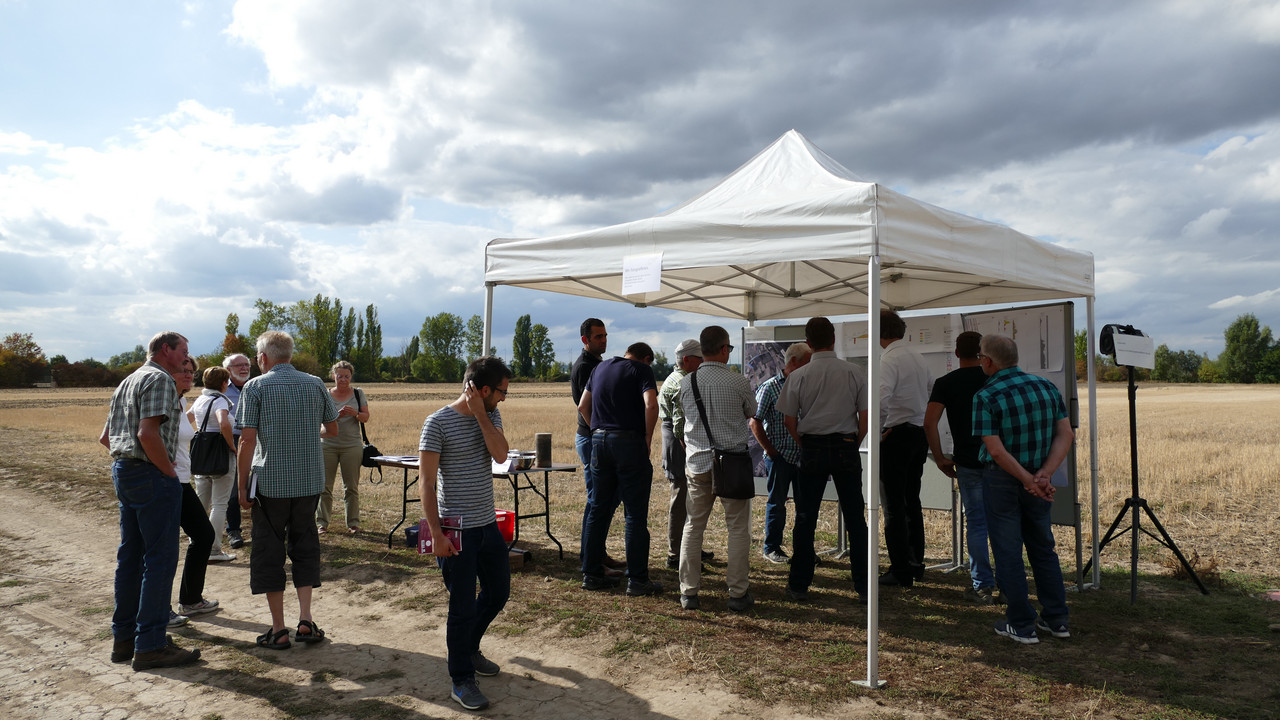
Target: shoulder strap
702, 410
359, 402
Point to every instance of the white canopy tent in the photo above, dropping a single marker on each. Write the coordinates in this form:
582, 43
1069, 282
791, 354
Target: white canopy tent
793, 234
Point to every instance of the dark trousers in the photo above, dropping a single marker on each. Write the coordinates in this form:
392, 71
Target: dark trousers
823, 456
673, 458
483, 559
195, 523
233, 504
284, 526
902, 457
623, 474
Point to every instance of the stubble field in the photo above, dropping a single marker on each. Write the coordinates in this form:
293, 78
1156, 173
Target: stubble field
1208, 456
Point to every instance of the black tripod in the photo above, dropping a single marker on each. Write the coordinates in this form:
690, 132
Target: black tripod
1135, 502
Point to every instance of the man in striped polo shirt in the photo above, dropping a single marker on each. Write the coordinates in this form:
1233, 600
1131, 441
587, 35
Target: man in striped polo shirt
1026, 435
458, 443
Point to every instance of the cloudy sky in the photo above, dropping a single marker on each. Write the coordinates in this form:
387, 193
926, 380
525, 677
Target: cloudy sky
165, 163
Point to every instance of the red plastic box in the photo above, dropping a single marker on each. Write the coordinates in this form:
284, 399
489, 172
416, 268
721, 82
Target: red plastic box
506, 524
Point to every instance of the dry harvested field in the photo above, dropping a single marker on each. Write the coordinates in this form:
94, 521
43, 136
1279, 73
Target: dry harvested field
1208, 456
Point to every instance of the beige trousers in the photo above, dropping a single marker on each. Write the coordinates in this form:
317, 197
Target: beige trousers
737, 518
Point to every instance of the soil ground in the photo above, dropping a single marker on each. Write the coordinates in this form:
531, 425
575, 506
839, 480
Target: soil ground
381, 660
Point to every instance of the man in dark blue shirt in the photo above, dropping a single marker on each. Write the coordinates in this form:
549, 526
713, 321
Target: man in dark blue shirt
620, 404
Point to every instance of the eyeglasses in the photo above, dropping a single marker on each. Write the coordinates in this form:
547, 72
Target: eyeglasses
730, 348
498, 389
982, 357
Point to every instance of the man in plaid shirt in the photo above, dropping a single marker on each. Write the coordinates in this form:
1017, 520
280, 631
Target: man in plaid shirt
781, 451
281, 414
1026, 435
142, 434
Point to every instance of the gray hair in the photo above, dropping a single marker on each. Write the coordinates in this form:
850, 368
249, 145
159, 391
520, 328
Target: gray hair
797, 351
226, 361
168, 337
277, 345
1002, 350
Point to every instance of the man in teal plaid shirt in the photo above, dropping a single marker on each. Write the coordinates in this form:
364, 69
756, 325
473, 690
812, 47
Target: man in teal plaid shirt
282, 414
1026, 435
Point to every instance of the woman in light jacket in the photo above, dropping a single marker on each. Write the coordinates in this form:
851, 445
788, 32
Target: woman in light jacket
214, 490
345, 450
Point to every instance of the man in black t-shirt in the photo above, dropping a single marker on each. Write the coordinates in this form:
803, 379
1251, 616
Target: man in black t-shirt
954, 393
594, 342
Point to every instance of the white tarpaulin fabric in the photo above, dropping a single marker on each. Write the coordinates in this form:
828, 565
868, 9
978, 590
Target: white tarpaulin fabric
788, 235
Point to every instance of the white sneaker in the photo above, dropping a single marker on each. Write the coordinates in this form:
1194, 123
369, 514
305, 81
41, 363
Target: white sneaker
176, 620
221, 557
203, 606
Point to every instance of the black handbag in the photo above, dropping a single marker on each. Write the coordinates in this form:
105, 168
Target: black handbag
732, 472
370, 452
210, 454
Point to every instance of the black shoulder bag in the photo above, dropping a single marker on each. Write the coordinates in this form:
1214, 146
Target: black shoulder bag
210, 454
370, 452
732, 473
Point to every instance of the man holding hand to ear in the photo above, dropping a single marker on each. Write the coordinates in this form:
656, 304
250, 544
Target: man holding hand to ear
456, 480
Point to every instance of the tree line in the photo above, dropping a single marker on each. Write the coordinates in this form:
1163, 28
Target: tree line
323, 332
1249, 355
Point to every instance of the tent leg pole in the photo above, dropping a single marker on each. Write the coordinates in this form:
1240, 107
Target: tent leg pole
1092, 351
488, 319
873, 479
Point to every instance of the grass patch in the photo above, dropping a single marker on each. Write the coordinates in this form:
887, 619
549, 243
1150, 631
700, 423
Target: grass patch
100, 610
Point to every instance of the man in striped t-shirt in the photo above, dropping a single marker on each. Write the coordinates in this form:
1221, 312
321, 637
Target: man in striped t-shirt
1026, 435
458, 442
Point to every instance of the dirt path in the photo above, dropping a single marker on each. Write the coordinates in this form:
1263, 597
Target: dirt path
382, 662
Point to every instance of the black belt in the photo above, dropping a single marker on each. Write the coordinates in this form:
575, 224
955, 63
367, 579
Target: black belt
621, 433
132, 461
842, 437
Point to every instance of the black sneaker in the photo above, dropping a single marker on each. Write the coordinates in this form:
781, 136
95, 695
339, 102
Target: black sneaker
234, 539
673, 562
469, 696
1004, 629
689, 602
707, 555
640, 589
168, 656
741, 604
596, 583
890, 580
483, 665
798, 595
1059, 631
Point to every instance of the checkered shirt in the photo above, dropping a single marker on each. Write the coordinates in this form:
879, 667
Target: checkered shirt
149, 391
669, 408
287, 407
729, 402
767, 413
1021, 409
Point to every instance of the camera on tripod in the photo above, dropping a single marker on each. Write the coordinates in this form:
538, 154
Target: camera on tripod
1127, 345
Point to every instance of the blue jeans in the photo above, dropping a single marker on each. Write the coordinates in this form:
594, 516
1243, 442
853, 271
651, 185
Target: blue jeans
969, 480
781, 475
1015, 518
622, 473
583, 446
147, 559
822, 456
483, 559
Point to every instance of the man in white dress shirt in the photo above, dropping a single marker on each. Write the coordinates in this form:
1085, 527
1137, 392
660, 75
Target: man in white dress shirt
904, 394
